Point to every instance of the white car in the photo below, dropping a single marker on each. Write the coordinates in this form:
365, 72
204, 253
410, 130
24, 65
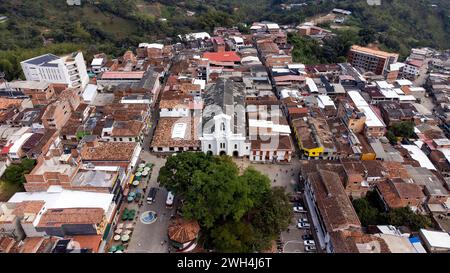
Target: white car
303, 225
310, 248
303, 220
309, 243
299, 209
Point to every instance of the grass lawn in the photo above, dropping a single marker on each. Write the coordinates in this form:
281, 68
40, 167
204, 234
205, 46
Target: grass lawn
7, 190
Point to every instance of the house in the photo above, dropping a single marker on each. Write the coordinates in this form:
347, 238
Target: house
90, 93
67, 70
374, 126
73, 2
435, 241
269, 132
396, 193
123, 131
314, 137
59, 212
16, 152
119, 154
174, 134
58, 113
40, 92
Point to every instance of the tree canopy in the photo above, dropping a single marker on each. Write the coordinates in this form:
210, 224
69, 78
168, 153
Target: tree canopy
369, 213
237, 212
14, 174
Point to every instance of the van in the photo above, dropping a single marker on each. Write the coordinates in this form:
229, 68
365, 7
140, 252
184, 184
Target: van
151, 195
169, 200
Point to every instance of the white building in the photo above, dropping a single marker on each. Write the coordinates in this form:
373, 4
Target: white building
69, 69
73, 2
435, 241
89, 93
223, 121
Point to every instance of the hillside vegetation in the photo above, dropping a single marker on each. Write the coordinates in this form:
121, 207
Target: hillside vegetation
113, 26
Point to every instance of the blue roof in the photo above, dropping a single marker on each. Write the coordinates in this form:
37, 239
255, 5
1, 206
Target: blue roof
43, 60
414, 240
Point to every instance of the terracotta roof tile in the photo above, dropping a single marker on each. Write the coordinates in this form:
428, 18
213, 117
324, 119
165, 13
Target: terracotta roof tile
59, 217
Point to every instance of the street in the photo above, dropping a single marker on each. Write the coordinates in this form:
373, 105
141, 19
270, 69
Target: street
147, 238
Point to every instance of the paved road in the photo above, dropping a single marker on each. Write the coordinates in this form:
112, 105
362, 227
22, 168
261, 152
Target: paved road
148, 238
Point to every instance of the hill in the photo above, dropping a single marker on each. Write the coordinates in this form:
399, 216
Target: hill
113, 26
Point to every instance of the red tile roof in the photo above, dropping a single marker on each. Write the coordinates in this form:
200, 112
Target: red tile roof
227, 56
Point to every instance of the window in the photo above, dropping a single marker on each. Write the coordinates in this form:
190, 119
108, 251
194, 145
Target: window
235, 146
222, 126
130, 139
209, 146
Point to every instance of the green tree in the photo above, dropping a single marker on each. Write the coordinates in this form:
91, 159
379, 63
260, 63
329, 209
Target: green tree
391, 137
403, 129
368, 214
217, 193
234, 237
176, 174
14, 174
237, 213
406, 217
275, 213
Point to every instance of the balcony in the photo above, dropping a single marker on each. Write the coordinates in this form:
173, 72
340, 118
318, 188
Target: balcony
75, 78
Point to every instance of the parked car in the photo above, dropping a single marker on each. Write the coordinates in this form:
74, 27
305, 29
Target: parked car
299, 209
310, 248
307, 237
303, 225
303, 220
152, 195
309, 243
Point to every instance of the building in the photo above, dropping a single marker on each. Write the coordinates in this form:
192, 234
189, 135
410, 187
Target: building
223, 119
435, 241
73, 2
40, 92
330, 208
173, 134
183, 234
374, 125
59, 212
69, 69
396, 193
372, 60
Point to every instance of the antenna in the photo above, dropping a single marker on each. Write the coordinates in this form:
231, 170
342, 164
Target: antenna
2, 77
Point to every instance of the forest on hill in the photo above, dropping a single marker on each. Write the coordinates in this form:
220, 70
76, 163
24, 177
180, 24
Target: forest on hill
113, 26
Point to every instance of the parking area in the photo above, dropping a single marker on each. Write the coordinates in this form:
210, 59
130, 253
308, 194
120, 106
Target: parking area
293, 240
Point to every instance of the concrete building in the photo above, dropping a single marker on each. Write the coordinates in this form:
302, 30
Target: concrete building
223, 124
69, 69
331, 210
435, 241
372, 60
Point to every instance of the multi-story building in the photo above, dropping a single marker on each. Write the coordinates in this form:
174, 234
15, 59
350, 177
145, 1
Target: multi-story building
372, 60
69, 70
331, 210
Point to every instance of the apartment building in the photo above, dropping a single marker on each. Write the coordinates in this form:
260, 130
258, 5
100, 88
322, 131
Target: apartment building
69, 69
372, 60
